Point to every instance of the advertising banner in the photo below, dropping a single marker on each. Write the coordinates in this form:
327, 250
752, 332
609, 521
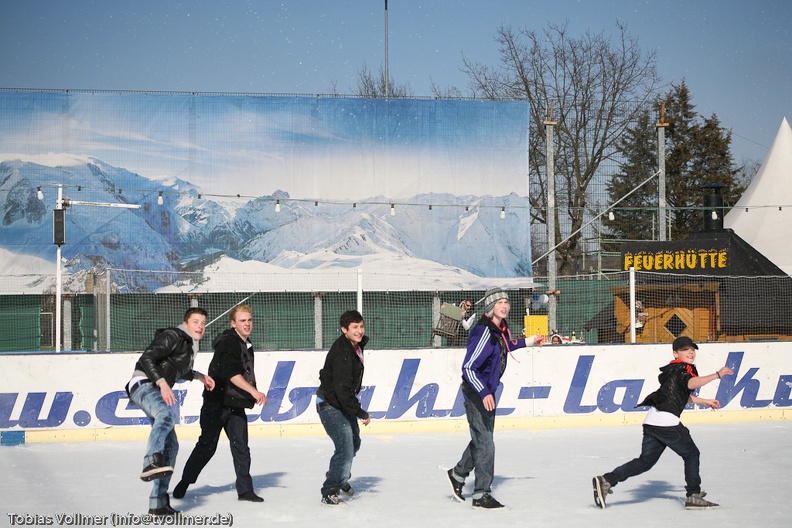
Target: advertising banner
82, 391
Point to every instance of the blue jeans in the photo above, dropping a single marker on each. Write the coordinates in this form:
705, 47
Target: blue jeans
655, 440
480, 452
344, 431
162, 438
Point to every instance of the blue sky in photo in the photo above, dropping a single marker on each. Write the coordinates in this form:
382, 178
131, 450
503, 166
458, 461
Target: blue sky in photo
734, 55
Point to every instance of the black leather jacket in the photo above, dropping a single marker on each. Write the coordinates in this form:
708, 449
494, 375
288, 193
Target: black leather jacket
168, 357
341, 377
673, 394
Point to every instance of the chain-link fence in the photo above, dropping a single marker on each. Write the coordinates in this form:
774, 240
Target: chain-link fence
300, 311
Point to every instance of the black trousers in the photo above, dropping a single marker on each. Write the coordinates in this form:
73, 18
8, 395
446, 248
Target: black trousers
233, 421
655, 440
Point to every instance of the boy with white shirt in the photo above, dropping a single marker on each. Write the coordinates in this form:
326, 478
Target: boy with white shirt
662, 427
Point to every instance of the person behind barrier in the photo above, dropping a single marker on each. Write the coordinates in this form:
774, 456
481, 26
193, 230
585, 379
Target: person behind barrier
169, 358
468, 318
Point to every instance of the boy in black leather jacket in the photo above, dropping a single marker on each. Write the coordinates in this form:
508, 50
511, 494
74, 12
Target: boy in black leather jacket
662, 427
169, 358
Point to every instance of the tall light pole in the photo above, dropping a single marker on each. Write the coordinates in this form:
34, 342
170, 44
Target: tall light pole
551, 212
59, 238
661, 182
387, 75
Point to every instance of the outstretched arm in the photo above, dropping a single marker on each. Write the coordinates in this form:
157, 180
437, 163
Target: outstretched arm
700, 381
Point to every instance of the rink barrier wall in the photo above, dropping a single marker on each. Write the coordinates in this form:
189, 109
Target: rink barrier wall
72, 397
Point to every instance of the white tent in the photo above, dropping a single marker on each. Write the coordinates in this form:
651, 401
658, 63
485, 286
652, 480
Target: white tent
763, 215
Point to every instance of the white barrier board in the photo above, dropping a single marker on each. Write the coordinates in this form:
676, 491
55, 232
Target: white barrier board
79, 391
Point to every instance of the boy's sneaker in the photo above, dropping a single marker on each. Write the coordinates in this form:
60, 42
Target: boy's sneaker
698, 502
157, 469
487, 502
331, 499
601, 488
347, 490
456, 486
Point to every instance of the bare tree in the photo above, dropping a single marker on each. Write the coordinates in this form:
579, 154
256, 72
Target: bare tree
371, 85
597, 86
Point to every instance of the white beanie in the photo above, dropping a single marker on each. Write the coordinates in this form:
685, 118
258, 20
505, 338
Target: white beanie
492, 296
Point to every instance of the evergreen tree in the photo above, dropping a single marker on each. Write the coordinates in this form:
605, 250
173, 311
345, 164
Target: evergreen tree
698, 152
635, 216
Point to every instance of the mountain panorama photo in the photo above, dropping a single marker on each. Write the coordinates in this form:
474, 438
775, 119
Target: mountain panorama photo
345, 190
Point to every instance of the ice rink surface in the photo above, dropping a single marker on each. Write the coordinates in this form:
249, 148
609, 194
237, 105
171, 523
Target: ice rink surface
543, 476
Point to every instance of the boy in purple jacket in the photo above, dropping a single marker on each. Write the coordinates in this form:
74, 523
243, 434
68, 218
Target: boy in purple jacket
488, 347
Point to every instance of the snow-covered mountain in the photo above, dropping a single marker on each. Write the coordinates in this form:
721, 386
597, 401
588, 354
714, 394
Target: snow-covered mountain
458, 235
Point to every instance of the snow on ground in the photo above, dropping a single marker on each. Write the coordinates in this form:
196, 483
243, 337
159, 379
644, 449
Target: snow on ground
543, 476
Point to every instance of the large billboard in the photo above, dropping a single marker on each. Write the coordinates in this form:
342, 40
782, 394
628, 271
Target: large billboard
569, 384
296, 182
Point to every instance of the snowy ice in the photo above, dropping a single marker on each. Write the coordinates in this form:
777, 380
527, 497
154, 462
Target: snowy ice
543, 476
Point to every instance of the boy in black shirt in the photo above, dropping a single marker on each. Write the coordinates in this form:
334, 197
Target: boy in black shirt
662, 427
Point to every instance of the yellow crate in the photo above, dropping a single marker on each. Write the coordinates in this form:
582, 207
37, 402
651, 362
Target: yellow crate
535, 324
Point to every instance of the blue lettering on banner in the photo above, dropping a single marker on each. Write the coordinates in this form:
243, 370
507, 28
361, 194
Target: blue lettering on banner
534, 393
300, 398
729, 386
578, 386
783, 394
31, 410
106, 410
424, 399
615, 395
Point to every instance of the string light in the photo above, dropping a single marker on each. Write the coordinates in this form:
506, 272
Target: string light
611, 216
210, 196
714, 215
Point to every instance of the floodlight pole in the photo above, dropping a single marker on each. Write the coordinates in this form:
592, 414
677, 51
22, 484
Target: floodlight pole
59, 238
58, 279
661, 182
387, 78
551, 224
